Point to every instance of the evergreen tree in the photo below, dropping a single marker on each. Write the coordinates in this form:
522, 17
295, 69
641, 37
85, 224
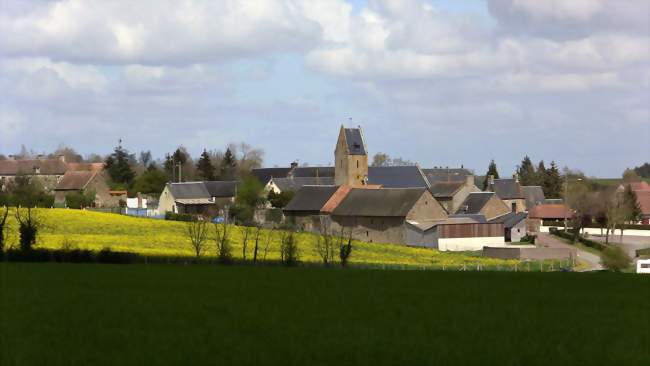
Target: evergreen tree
632, 208
492, 170
541, 174
526, 172
204, 166
228, 166
553, 183
118, 166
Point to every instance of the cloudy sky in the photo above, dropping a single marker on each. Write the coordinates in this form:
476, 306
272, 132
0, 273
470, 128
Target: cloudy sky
442, 83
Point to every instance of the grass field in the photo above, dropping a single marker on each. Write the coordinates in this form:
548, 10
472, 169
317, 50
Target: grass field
85, 314
93, 230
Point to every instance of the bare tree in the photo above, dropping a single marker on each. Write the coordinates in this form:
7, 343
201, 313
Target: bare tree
324, 242
3, 222
198, 233
267, 242
222, 240
246, 232
258, 231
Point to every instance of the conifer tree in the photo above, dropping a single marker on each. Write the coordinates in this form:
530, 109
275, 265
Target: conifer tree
541, 174
492, 170
118, 166
204, 166
526, 172
228, 166
553, 184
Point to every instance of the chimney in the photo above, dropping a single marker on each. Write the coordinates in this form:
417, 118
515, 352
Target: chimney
490, 179
62, 158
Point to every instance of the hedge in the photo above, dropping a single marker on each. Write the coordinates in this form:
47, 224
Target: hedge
592, 226
569, 236
178, 217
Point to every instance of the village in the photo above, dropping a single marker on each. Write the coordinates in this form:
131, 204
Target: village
439, 208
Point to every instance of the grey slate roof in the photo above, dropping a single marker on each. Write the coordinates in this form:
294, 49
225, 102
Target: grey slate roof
446, 174
189, 190
310, 198
385, 202
474, 202
397, 176
510, 219
480, 218
445, 189
293, 184
534, 195
221, 188
356, 145
313, 171
265, 174
507, 188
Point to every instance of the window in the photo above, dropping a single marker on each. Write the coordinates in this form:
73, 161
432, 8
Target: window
514, 206
367, 233
357, 163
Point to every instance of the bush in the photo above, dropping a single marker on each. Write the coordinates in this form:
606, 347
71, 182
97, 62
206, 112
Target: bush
107, 256
71, 256
79, 200
178, 217
289, 249
569, 236
615, 259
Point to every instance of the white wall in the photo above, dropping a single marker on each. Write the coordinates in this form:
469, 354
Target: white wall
464, 244
596, 231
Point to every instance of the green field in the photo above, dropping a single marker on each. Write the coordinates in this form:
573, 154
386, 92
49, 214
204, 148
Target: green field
85, 314
94, 230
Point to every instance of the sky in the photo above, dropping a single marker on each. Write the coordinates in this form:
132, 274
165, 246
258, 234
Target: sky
441, 83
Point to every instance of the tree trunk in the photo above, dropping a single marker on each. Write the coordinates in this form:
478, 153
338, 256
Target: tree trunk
607, 236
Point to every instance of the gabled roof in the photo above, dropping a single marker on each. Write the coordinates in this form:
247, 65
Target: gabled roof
547, 211
189, 190
643, 198
397, 176
510, 219
436, 175
32, 166
292, 184
313, 171
221, 188
480, 218
385, 202
534, 195
445, 189
638, 186
85, 166
310, 198
265, 174
354, 140
507, 189
75, 180
475, 202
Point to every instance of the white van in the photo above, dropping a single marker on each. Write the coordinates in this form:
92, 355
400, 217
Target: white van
643, 266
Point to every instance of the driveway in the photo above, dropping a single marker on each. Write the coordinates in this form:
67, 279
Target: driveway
592, 260
630, 243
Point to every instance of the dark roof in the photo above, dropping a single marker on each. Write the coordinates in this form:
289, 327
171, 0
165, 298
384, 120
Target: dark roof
221, 188
480, 218
475, 202
75, 180
507, 189
292, 184
31, 166
189, 190
313, 171
265, 174
310, 198
393, 202
397, 176
353, 137
445, 189
436, 175
534, 195
510, 219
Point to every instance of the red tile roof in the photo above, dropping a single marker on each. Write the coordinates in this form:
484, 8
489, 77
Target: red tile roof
640, 186
549, 212
643, 197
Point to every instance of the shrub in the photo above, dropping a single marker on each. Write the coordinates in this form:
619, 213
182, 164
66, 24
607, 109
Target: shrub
178, 217
79, 200
108, 256
615, 259
289, 249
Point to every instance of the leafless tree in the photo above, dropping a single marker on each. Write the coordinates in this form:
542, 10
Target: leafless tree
267, 241
325, 242
222, 240
258, 232
3, 222
198, 233
246, 232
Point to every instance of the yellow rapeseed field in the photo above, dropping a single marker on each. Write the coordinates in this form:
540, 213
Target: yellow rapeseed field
93, 230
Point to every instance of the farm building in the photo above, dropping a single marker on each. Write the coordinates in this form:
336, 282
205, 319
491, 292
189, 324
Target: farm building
85, 182
197, 197
484, 203
509, 190
534, 195
514, 225
304, 210
452, 194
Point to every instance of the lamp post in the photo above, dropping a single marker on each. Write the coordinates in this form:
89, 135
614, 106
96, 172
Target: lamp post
566, 198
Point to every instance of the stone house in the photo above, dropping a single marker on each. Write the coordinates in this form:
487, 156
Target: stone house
305, 210
509, 190
85, 181
201, 198
48, 171
380, 215
533, 195
484, 203
452, 194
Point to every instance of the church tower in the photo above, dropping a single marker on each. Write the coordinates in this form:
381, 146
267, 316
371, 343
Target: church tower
350, 158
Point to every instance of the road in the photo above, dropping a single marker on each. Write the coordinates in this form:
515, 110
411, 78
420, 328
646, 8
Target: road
592, 260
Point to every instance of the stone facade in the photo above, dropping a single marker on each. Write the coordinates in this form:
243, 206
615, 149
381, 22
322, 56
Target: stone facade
350, 169
494, 208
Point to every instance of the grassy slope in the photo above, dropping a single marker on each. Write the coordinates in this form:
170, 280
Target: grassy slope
174, 314
93, 230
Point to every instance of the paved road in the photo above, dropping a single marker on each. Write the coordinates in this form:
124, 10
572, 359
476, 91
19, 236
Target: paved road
592, 260
629, 243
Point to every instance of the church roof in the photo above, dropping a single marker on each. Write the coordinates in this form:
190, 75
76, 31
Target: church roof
354, 139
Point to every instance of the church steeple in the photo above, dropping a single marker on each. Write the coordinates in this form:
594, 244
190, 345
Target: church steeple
351, 158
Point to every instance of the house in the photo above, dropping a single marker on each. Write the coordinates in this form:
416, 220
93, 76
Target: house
452, 194
533, 195
204, 198
85, 181
264, 175
643, 197
636, 186
554, 212
48, 171
484, 203
509, 190
380, 215
514, 225
437, 174
293, 184
305, 208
